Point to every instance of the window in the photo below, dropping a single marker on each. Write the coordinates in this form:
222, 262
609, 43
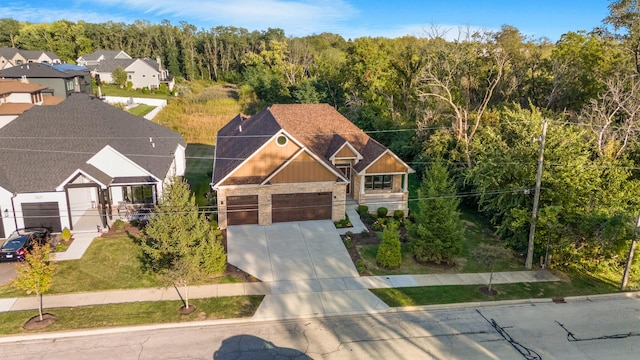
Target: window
138, 194
378, 182
281, 140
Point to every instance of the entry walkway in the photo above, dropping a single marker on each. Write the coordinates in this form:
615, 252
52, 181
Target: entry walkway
289, 299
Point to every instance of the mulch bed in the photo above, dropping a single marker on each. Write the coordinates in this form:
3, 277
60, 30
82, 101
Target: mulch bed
36, 324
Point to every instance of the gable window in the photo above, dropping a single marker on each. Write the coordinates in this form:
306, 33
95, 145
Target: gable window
138, 194
281, 140
378, 182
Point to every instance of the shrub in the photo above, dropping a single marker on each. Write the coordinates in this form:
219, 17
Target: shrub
361, 267
363, 210
398, 215
348, 243
365, 233
382, 212
66, 234
389, 252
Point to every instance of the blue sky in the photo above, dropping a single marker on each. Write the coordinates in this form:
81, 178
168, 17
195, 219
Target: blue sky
349, 18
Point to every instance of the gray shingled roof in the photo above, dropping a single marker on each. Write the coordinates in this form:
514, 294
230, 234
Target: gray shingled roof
27, 54
108, 54
45, 145
35, 70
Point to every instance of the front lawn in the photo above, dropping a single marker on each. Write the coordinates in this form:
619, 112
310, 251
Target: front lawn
108, 264
138, 313
141, 110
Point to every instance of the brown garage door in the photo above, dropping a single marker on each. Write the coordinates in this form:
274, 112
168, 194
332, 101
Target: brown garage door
242, 210
301, 207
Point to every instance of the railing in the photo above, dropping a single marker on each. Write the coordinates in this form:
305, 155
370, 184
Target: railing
391, 201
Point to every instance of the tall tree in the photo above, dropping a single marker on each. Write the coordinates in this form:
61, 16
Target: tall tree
625, 15
461, 77
180, 240
436, 232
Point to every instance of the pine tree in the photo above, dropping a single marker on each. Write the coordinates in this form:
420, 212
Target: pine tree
180, 243
436, 232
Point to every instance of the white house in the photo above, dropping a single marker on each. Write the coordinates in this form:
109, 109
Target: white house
81, 164
141, 72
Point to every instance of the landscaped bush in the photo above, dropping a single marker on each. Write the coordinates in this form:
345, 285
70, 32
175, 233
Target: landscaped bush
398, 215
361, 267
382, 212
118, 225
343, 223
363, 210
348, 243
66, 234
389, 252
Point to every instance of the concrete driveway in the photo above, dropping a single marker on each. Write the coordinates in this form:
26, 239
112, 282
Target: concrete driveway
302, 250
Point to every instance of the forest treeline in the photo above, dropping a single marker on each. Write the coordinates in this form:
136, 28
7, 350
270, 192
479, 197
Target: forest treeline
475, 102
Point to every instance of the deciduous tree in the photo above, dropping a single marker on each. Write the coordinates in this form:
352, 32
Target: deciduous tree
35, 273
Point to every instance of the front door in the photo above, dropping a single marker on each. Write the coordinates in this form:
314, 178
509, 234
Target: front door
346, 170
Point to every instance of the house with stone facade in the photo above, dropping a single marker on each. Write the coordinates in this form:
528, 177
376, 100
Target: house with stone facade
299, 162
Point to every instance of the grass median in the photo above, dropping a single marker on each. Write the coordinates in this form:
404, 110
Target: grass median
577, 284
129, 314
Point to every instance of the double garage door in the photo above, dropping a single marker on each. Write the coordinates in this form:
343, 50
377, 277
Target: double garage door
284, 207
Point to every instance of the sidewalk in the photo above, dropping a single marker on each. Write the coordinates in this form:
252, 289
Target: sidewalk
311, 289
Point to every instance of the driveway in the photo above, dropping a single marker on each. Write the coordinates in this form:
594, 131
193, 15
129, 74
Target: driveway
302, 250
7, 272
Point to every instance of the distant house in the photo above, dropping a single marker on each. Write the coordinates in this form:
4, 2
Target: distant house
16, 97
96, 57
84, 164
141, 72
299, 162
11, 57
61, 80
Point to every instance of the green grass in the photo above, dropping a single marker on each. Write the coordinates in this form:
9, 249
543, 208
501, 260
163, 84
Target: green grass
89, 317
108, 264
199, 166
141, 110
579, 284
114, 90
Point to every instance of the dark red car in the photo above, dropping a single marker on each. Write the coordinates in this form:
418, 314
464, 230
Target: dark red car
22, 241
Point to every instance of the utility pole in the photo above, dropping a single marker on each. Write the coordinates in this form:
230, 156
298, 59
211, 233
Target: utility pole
632, 250
536, 198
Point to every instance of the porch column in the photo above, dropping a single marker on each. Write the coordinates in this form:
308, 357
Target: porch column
405, 185
362, 199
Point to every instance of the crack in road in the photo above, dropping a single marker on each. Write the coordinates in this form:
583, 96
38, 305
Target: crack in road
141, 344
572, 337
527, 353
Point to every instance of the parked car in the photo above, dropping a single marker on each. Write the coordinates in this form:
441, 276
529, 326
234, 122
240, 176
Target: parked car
22, 241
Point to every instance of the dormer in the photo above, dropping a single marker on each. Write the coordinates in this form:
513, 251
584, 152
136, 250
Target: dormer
345, 153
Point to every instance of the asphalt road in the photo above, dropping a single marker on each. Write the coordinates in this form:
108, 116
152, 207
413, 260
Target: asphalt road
600, 329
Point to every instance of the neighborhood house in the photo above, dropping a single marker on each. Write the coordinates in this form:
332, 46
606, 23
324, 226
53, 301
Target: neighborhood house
141, 72
12, 57
81, 164
302, 162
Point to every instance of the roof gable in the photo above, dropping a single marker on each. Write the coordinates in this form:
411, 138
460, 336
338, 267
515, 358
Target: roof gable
303, 167
387, 163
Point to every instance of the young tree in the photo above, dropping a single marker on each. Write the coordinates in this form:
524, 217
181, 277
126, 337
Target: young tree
490, 256
119, 77
389, 252
35, 273
436, 233
180, 243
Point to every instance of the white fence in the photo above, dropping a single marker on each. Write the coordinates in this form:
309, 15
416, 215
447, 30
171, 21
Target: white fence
158, 103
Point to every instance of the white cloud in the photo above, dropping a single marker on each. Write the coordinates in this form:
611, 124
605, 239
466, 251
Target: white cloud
298, 17
449, 32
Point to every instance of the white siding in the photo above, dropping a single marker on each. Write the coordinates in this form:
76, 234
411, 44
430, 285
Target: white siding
59, 197
115, 165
